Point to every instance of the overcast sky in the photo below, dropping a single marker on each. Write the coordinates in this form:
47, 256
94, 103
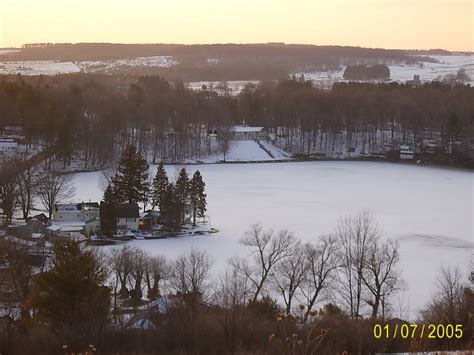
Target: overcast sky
423, 24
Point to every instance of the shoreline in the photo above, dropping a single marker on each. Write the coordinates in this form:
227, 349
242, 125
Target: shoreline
297, 160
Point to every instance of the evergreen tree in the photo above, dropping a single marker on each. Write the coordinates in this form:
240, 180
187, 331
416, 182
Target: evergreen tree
170, 212
160, 184
182, 194
71, 298
197, 196
108, 213
131, 180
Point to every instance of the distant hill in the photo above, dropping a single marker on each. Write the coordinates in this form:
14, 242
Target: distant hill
211, 62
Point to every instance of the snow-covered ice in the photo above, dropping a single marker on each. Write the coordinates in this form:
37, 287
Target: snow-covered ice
428, 210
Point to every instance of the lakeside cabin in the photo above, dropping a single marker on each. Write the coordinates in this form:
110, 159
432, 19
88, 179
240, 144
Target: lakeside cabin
245, 132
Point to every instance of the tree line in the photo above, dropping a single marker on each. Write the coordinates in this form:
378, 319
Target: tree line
32, 189
179, 203
90, 118
286, 297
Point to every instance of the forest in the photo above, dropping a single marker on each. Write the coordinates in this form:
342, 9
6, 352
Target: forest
90, 118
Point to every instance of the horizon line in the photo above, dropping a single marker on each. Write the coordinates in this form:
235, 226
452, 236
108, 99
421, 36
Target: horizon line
241, 44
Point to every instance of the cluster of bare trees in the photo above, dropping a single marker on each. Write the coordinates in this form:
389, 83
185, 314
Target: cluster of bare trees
23, 187
133, 271
354, 268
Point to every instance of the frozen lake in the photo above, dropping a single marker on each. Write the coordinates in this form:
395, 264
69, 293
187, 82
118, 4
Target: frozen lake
429, 210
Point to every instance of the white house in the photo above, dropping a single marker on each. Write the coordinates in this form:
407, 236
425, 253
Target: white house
8, 145
245, 132
128, 216
85, 215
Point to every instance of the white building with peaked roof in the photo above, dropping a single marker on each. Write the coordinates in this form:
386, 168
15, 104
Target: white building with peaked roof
245, 132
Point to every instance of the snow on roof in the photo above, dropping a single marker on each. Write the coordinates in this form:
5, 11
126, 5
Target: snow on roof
70, 224
245, 129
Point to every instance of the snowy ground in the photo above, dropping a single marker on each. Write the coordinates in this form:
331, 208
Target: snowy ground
429, 210
232, 87
8, 51
247, 151
402, 72
44, 67
49, 67
114, 65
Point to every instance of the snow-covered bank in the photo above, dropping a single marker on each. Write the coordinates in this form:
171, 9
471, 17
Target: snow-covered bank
247, 151
429, 210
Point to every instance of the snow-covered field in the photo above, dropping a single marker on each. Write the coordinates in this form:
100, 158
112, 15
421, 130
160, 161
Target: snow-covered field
113, 65
48, 67
8, 51
447, 64
429, 210
232, 87
45, 67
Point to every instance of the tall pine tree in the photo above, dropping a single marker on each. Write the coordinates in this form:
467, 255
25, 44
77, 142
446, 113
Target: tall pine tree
160, 184
197, 196
108, 213
182, 194
131, 180
170, 216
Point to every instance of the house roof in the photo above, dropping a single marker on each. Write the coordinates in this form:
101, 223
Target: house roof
245, 129
128, 210
89, 204
40, 217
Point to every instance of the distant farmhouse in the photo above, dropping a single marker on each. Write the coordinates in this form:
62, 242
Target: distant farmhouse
245, 132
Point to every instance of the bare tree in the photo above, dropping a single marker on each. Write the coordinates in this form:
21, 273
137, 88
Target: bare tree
233, 289
8, 196
27, 185
121, 261
448, 304
381, 276
54, 188
289, 275
224, 135
356, 235
321, 266
158, 270
190, 272
139, 261
268, 249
